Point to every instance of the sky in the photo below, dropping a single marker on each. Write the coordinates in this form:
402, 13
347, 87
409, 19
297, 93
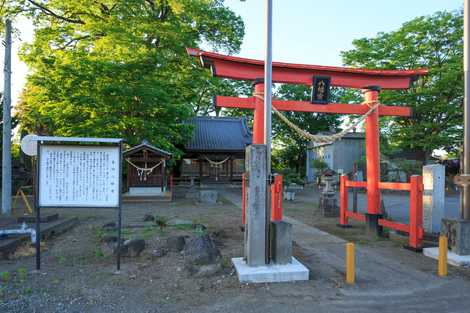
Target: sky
304, 31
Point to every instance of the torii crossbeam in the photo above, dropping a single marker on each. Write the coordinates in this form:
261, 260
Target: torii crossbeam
370, 81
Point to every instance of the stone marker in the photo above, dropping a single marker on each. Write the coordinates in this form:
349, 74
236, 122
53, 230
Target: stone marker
433, 197
255, 229
281, 242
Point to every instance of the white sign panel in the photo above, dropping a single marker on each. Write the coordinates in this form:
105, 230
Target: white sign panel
79, 176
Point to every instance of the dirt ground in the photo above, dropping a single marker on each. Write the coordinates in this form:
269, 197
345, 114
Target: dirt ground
77, 277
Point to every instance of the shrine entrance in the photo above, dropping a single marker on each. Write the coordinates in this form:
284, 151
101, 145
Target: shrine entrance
146, 170
370, 82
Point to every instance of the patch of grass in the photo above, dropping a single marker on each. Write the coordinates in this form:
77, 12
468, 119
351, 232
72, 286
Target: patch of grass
61, 259
183, 227
5, 277
148, 232
225, 262
28, 290
98, 252
22, 273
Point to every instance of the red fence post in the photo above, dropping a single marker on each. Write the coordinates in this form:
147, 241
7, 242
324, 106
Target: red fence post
343, 200
243, 198
416, 213
276, 199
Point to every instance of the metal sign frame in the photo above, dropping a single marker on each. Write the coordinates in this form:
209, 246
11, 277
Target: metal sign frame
81, 142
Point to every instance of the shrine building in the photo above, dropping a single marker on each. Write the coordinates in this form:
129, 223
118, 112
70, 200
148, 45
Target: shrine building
216, 151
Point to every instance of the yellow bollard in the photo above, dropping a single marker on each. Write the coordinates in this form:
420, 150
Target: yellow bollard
442, 264
350, 263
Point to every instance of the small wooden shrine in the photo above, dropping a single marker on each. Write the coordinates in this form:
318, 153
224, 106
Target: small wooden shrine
216, 151
146, 170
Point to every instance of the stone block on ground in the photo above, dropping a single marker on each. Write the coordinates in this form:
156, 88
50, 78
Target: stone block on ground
159, 252
175, 243
201, 250
109, 245
133, 247
208, 196
458, 235
281, 242
149, 218
329, 206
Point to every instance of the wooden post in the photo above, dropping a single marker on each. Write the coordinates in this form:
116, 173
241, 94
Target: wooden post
200, 171
163, 174
231, 169
343, 201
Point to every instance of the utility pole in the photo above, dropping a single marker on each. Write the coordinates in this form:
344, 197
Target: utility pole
6, 149
268, 83
465, 203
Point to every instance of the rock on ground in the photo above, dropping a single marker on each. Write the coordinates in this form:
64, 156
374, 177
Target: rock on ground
201, 250
133, 247
175, 243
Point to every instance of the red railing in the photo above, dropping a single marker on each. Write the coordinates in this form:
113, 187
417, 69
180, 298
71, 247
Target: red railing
276, 199
414, 229
243, 198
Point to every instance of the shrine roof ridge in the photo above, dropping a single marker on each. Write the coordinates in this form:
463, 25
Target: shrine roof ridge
213, 55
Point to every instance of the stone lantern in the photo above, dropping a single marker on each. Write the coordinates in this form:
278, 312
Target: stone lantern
328, 202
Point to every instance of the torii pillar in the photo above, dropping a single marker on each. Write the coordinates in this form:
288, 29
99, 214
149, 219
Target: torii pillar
369, 81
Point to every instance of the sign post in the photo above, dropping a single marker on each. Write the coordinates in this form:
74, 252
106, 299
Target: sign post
78, 173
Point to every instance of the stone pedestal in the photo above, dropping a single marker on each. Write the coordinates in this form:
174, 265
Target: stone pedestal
433, 197
281, 242
329, 205
458, 235
328, 202
373, 229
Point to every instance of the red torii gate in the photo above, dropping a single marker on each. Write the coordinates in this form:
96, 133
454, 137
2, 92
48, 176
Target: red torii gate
370, 81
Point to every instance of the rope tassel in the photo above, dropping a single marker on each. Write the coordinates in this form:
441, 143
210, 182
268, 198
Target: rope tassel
144, 172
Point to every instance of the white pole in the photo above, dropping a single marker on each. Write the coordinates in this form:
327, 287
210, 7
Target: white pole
268, 82
6, 149
465, 210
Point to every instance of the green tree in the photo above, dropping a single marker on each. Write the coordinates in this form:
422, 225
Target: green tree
118, 68
433, 42
292, 146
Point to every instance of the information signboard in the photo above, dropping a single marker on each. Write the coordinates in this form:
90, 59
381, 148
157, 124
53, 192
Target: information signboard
76, 173
79, 176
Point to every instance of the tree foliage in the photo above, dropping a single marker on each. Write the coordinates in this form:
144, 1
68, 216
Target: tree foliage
433, 42
118, 68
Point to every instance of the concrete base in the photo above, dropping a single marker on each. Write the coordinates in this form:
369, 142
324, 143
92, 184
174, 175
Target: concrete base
272, 273
458, 234
145, 191
452, 258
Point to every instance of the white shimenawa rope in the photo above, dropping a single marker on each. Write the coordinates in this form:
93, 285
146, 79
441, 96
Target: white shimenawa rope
216, 163
144, 172
373, 105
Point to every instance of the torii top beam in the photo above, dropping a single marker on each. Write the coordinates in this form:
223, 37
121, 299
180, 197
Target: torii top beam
249, 69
